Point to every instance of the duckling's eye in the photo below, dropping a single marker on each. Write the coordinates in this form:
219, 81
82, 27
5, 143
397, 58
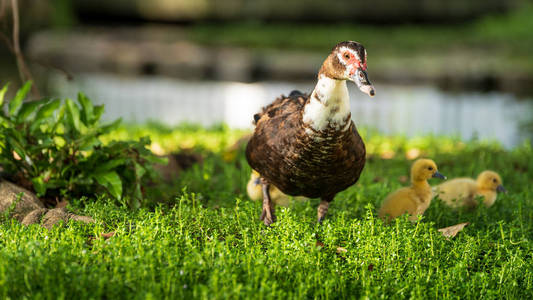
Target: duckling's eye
494, 180
430, 168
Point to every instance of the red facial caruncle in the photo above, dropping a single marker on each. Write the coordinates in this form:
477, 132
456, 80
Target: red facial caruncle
352, 60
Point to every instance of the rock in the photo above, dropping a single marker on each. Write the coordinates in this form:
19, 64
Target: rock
18, 208
34, 217
56, 215
28, 209
83, 219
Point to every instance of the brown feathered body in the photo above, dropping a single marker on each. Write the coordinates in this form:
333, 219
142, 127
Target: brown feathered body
299, 164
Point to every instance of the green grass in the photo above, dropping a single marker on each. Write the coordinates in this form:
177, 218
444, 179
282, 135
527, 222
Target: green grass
209, 243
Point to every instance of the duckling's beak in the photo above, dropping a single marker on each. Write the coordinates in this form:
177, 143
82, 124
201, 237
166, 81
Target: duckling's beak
501, 189
360, 78
438, 175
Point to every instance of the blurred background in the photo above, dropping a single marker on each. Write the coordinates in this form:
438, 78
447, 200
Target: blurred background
451, 67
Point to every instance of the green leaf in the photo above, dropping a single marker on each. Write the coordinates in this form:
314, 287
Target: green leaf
57, 183
89, 143
139, 171
110, 165
17, 101
135, 203
2, 94
86, 109
111, 126
59, 141
44, 113
47, 110
44, 142
28, 108
97, 113
39, 186
16, 146
156, 159
59, 127
111, 181
73, 113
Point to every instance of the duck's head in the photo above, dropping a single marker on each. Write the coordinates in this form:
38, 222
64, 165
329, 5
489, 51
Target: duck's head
424, 169
347, 61
490, 180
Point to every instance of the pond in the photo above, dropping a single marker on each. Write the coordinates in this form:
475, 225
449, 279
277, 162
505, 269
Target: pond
405, 110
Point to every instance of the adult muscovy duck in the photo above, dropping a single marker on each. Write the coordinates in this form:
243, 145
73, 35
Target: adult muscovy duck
307, 145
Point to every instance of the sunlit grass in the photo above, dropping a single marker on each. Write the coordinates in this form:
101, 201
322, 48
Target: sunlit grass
208, 242
185, 136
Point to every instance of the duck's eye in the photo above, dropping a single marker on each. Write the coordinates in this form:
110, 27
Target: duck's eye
346, 55
494, 180
430, 168
361, 75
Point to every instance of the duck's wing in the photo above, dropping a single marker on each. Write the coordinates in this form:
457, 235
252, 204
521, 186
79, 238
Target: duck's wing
282, 105
276, 125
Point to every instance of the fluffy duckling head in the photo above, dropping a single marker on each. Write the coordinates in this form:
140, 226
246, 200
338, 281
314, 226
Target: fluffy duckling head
490, 180
424, 169
254, 187
255, 177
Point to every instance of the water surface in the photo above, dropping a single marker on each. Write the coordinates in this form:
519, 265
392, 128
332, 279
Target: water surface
406, 110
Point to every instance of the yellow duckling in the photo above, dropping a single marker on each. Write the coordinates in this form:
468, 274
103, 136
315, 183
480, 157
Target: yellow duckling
462, 192
230, 153
414, 199
255, 191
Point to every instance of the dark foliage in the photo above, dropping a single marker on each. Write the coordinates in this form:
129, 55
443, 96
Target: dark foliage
53, 147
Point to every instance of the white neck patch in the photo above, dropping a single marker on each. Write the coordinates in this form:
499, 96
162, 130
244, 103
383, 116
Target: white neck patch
329, 105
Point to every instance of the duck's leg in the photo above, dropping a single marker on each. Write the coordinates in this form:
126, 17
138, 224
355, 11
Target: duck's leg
323, 208
267, 216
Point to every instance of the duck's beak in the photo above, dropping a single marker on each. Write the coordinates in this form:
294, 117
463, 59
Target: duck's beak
438, 175
501, 189
360, 77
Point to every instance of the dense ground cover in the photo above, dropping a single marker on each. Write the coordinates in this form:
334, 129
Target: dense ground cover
207, 241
